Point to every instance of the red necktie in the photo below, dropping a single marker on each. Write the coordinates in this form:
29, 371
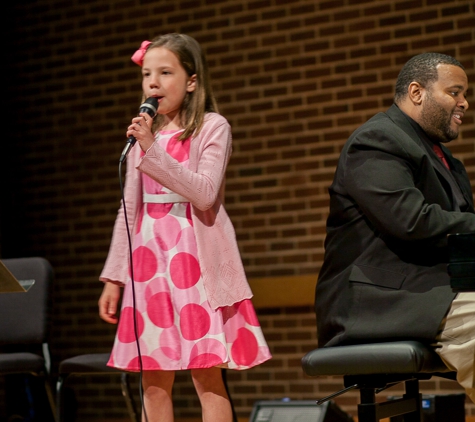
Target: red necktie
438, 150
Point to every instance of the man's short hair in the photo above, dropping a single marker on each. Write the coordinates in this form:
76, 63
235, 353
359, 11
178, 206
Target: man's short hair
422, 69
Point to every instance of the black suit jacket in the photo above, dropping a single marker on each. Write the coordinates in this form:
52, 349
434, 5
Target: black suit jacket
392, 205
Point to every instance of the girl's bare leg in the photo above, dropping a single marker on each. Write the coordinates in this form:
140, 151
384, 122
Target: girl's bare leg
157, 390
212, 393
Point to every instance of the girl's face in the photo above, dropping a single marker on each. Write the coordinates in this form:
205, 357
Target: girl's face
166, 79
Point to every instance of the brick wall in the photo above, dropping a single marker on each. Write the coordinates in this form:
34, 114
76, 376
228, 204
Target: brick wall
294, 78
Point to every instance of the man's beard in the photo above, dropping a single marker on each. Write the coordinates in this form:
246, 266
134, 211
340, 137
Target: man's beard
435, 121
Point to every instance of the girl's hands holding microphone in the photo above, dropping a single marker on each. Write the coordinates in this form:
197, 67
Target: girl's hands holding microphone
141, 130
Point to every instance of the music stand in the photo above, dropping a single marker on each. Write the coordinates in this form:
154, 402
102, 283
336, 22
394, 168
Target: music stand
9, 283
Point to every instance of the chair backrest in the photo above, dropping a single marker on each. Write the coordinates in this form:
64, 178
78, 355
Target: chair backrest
24, 316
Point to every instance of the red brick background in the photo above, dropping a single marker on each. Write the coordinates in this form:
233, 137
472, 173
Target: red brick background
293, 77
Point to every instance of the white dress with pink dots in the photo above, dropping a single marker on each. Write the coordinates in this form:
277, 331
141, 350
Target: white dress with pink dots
175, 326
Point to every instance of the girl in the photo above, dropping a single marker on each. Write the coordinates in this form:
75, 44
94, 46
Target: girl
192, 301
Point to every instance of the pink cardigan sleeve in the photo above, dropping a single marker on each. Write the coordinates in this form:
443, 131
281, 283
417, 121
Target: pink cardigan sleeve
209, 155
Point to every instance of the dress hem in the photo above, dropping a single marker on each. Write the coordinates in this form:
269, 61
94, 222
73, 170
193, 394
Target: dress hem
224, 365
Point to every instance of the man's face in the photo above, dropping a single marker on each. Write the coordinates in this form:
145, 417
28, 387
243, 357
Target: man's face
444, 104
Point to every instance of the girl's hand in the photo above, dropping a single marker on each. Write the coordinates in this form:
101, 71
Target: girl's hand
141, 130
108, 302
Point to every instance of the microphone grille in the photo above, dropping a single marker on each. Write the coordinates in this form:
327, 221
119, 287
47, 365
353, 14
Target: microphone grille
152, 101
150, 106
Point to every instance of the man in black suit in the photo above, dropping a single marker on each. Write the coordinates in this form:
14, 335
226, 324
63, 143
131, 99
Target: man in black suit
396, 195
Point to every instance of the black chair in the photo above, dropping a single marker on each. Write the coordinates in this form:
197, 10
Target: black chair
92, 364
372, 368
24, 322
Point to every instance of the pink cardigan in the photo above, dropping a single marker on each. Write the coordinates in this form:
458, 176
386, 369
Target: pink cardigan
203, 184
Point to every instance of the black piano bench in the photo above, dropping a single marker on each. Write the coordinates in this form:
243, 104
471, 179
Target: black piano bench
372, 368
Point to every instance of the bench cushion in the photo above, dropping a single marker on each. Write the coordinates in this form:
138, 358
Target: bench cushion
400, 357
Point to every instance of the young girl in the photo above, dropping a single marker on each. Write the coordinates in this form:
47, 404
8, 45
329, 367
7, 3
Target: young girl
192, 300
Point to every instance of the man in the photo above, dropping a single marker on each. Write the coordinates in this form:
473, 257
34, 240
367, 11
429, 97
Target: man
393, 201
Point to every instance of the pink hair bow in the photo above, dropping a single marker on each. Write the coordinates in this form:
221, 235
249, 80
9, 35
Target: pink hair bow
140, 53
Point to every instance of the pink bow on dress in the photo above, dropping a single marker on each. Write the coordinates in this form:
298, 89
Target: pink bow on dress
140, 53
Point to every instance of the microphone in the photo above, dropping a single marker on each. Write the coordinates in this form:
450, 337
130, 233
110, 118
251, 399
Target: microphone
150, 107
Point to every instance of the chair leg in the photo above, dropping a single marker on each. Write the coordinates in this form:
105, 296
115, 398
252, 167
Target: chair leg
129, 401
59, 398
49, 393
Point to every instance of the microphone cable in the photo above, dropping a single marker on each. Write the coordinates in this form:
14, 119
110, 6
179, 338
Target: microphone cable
150, 107
139, 354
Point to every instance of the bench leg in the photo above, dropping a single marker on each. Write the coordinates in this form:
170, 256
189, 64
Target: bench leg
368, 408
412, 392
409, 407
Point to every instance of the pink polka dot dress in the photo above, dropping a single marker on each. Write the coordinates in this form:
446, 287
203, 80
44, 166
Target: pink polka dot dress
176, 327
